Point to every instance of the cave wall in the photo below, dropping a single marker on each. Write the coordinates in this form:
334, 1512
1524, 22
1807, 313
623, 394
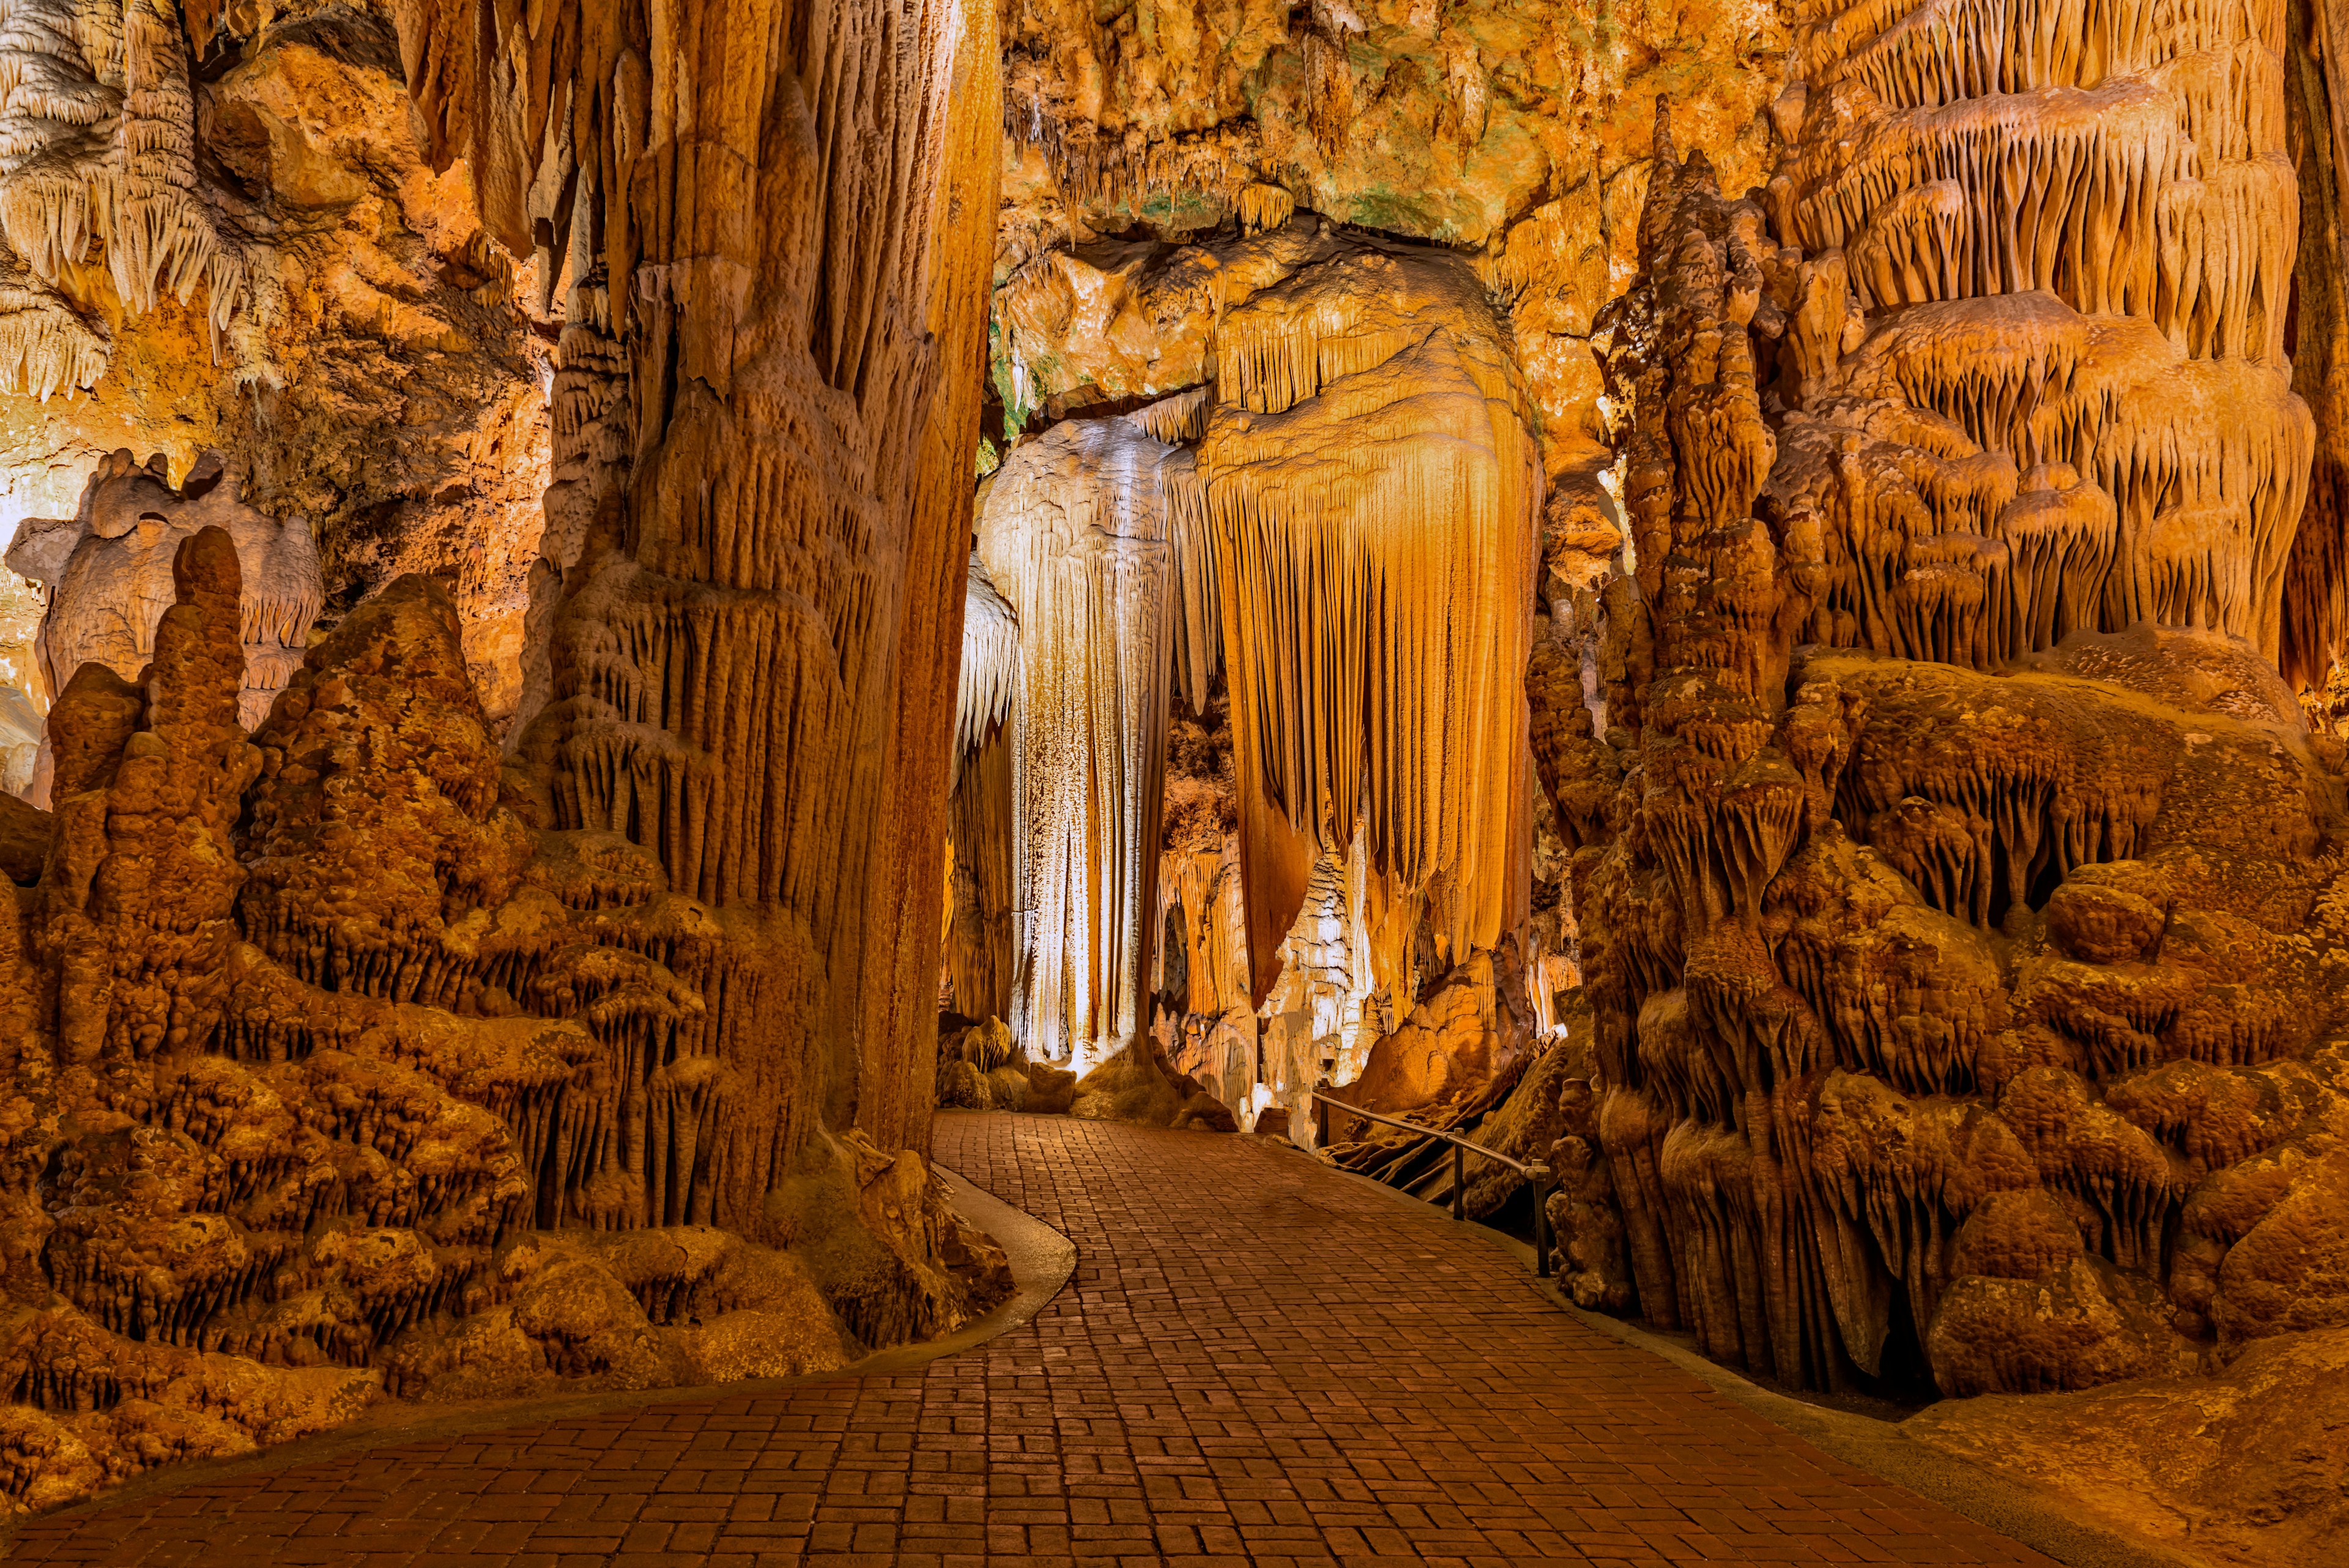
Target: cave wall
341, 329
359, 1056
1956, 875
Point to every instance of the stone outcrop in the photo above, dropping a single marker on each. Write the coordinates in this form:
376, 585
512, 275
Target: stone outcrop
108, 570
354, 1060
1964, 946
2243, 1469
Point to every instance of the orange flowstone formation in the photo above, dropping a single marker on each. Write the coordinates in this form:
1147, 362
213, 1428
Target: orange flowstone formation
357, 1058
1965, 956
342, 1078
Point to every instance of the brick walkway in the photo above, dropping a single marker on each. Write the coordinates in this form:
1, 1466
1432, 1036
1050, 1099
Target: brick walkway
1257, 1362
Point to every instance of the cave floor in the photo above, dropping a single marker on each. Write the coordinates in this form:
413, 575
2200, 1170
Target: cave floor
1256, 1361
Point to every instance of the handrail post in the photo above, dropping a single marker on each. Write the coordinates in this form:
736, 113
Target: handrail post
1540, 1174
1320, 1122
1459, 1183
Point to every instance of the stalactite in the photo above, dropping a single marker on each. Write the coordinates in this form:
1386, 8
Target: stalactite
1373, 489
97, 145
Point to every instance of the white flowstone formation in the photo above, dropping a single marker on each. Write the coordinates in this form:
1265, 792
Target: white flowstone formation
1076, 534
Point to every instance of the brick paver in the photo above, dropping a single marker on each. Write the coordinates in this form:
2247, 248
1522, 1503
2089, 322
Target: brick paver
1257, 1362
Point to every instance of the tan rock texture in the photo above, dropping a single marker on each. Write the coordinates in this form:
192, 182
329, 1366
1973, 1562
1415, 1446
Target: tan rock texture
340, 1080
2244, 1467
352, 1060
1959, 886
1514, 128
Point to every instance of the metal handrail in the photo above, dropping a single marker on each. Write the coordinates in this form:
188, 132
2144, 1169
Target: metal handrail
1534, 1171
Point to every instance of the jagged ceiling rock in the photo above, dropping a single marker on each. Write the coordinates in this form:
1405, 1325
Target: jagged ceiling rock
1436, 118
1514, 129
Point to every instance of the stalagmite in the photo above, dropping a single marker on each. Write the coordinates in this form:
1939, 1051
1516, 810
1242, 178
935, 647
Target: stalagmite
108, 570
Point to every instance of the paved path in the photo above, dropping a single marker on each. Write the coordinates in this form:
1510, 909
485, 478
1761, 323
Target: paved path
1257, 1362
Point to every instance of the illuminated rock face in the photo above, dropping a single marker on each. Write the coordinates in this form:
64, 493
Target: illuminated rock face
1372, 489
358, 1057
1077, 536
1331, 545
109, 572
1968, 971
323, 308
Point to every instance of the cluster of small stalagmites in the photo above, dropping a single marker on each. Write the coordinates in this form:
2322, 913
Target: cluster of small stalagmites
337, 1080
1966, 954
97, 161
109, 572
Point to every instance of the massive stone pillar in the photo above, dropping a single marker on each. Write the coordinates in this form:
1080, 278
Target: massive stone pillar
771, 227
349, 1057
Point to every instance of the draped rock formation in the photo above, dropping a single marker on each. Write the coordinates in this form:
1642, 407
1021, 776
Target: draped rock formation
108, 573
353, 1059
1371, 487
1319, 528
1077, 534
1958, 882
978, 967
